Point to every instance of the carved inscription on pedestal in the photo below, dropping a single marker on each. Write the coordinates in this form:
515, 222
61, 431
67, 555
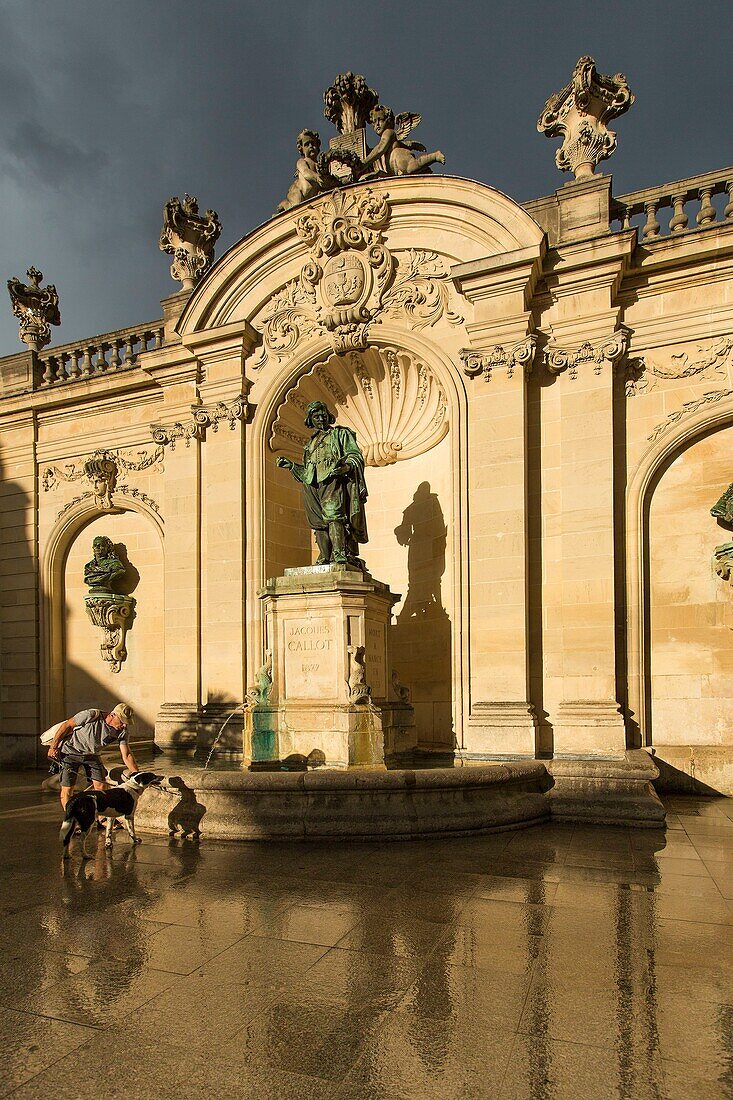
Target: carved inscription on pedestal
310, 658
375, 658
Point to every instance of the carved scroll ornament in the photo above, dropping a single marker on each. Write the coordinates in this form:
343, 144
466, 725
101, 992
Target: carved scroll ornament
353, 281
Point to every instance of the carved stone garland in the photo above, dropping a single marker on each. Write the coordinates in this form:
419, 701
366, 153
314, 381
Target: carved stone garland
391, 399
101, 469
351, 279
709, 359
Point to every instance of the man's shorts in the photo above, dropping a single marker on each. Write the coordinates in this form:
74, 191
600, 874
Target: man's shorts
72, 761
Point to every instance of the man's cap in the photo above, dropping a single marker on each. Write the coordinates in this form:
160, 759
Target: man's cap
124, 712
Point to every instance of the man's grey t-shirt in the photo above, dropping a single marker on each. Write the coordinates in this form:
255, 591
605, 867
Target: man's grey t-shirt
92, 733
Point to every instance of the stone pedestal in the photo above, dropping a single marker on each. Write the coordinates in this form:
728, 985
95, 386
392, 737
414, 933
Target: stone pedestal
328, 633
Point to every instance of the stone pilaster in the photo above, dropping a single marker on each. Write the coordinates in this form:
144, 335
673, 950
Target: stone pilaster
499, 360
176, 725
587, 341
223, 415
19, 642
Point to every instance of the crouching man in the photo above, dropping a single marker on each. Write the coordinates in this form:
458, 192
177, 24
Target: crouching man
79, 740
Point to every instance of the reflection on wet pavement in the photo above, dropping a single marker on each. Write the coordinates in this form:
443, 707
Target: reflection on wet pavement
551, 962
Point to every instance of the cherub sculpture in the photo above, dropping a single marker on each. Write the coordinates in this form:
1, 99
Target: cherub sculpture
313, 170
392, 154
308, 181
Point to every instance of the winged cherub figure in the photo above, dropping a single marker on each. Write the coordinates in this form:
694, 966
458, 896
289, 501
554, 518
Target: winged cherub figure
393, 154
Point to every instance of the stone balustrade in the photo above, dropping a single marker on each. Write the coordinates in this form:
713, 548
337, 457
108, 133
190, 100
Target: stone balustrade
105, 354
697, 190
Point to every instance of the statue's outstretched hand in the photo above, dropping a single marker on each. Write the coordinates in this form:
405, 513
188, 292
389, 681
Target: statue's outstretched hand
284, 463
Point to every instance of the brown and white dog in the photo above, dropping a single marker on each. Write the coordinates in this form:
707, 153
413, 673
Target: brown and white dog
113, 804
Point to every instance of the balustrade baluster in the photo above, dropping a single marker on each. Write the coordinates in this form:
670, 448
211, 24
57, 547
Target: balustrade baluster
707, 210
129, 353
86, 363
679, 220
74, 363
159, 332
651, 226
114, 359
47, 370
100, 363
61, 374
728, 212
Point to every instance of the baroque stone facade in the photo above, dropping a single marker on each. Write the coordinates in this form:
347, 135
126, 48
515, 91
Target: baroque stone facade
543, 394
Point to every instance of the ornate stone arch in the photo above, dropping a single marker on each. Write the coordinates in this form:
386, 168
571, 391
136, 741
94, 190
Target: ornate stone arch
449, 377
69, 524
710, 416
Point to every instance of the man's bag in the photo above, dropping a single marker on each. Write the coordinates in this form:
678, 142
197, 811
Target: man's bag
48, 735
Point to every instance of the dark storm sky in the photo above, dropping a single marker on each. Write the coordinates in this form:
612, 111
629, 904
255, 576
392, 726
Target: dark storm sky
109, 108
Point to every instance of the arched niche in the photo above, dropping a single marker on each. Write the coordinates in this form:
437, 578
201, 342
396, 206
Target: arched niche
406, 405
75, 674
680, 612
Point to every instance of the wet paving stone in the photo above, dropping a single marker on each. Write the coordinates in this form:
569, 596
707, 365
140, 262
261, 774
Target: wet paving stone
556, 961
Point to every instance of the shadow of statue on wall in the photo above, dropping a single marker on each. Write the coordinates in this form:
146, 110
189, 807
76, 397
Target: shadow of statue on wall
422, 634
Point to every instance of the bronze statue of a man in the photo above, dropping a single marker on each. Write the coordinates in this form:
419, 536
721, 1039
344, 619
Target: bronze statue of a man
334, 489
105, 567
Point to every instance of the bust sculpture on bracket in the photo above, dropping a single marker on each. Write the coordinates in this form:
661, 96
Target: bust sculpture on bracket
107, 609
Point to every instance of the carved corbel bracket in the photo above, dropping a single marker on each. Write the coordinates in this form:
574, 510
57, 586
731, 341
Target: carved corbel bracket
518, 357
609, 349
167, 435
112, 614
211, 416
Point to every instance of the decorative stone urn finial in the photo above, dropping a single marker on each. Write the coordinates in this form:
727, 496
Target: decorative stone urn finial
36, 307
579, 114
190, 238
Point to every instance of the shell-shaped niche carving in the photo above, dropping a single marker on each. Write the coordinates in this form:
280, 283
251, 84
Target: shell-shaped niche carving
390, 398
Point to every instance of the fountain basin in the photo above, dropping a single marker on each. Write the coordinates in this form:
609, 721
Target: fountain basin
357, 804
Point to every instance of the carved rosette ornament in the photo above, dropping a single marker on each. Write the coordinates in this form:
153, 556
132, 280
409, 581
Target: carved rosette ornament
36, 307
190, 238
518, 358
598, 352
579, 113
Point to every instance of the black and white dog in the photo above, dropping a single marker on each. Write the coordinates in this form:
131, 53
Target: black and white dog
115, 803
